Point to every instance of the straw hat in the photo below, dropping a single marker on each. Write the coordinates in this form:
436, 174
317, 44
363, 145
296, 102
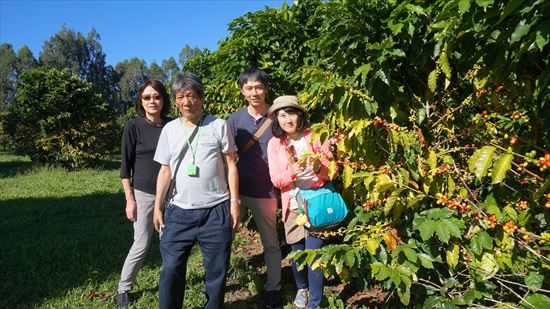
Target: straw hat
283, 102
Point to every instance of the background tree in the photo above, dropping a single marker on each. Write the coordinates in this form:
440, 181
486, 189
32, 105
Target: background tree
132, 74
25, 60
188, 53
170, 68
57, 118
8, 75
82, 56
156, 72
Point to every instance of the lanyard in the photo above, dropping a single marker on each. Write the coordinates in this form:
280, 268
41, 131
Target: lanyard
193, 149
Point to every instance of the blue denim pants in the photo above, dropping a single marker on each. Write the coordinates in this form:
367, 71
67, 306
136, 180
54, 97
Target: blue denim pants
307, 278
211, 228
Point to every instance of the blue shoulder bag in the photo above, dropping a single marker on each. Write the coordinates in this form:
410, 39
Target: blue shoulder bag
324, 207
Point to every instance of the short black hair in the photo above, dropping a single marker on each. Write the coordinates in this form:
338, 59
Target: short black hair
253, 74
303, 121
161, 89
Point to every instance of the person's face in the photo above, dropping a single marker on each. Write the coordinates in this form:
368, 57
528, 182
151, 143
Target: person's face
151, 101
254, 93
189, 103
288, 122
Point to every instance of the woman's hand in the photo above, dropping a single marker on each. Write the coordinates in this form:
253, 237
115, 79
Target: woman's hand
131, 210
316, 165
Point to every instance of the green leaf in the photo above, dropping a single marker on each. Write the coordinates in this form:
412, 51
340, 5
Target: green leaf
501, 166
521, 29
421, 115
380, 74
383, 183
432, 160
349, 258
410, 254
393, 113
404, 296
432, 79
372, 245
447, 228
442, 231
426, 228
452, 254
488, 265
450, 185
425, 260
536, 301
347, 176
444, 65
483, 162
511, 213
541, 40
481, 240
391, 201
524, 218
484, 3
534, 280
509, 8
463, 6
438, 213
493, 209
416, 9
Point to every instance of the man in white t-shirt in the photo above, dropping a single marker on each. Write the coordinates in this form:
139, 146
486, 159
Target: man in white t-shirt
205, 208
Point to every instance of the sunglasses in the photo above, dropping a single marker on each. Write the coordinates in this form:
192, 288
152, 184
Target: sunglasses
148, 97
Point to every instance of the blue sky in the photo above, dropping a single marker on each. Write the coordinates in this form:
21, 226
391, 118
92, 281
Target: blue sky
150, 30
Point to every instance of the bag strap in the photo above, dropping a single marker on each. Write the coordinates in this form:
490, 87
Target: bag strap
255, 137
171, 187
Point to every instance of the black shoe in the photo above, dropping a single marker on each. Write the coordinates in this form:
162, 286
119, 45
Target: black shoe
273, 299
123, 299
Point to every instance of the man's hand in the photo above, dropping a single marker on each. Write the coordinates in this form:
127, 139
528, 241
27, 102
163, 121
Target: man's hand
131, 210
235, 215
158, 218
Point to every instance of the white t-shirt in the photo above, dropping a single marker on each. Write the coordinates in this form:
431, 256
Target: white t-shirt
209, 187
305, 178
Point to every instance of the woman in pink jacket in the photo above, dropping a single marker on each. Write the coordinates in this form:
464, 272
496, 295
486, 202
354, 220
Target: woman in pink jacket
291, 141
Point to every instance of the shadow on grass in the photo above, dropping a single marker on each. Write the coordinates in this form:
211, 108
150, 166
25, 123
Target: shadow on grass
50, 246
15, 167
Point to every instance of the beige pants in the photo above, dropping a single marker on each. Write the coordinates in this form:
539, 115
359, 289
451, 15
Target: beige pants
264, 213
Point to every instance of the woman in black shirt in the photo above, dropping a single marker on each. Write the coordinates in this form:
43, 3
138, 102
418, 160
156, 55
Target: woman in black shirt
139, 172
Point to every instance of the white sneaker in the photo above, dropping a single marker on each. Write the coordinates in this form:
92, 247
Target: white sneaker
300, 300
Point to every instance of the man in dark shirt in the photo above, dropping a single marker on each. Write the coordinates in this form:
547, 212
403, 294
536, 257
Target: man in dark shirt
256, 190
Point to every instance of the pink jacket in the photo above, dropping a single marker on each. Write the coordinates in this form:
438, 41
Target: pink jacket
279, 172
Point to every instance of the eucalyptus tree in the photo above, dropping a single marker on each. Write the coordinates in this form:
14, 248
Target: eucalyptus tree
80, 55
8, 75
170, 68
156, 72
25, 60
132, 73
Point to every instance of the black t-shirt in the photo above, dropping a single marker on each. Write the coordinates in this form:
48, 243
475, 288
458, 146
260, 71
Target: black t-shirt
139, 142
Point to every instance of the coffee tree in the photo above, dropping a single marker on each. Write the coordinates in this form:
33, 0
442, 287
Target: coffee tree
57, 118
438, 115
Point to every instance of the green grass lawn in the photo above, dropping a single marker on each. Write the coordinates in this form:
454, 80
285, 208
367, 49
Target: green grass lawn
65, 237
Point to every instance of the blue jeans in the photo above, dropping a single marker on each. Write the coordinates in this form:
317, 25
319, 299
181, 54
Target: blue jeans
312, 280
211, 228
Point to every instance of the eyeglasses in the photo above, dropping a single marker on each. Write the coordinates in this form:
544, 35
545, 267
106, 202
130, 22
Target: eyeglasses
148, 97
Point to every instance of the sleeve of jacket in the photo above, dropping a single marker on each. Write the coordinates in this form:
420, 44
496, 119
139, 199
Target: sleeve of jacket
279, 173
128, 151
